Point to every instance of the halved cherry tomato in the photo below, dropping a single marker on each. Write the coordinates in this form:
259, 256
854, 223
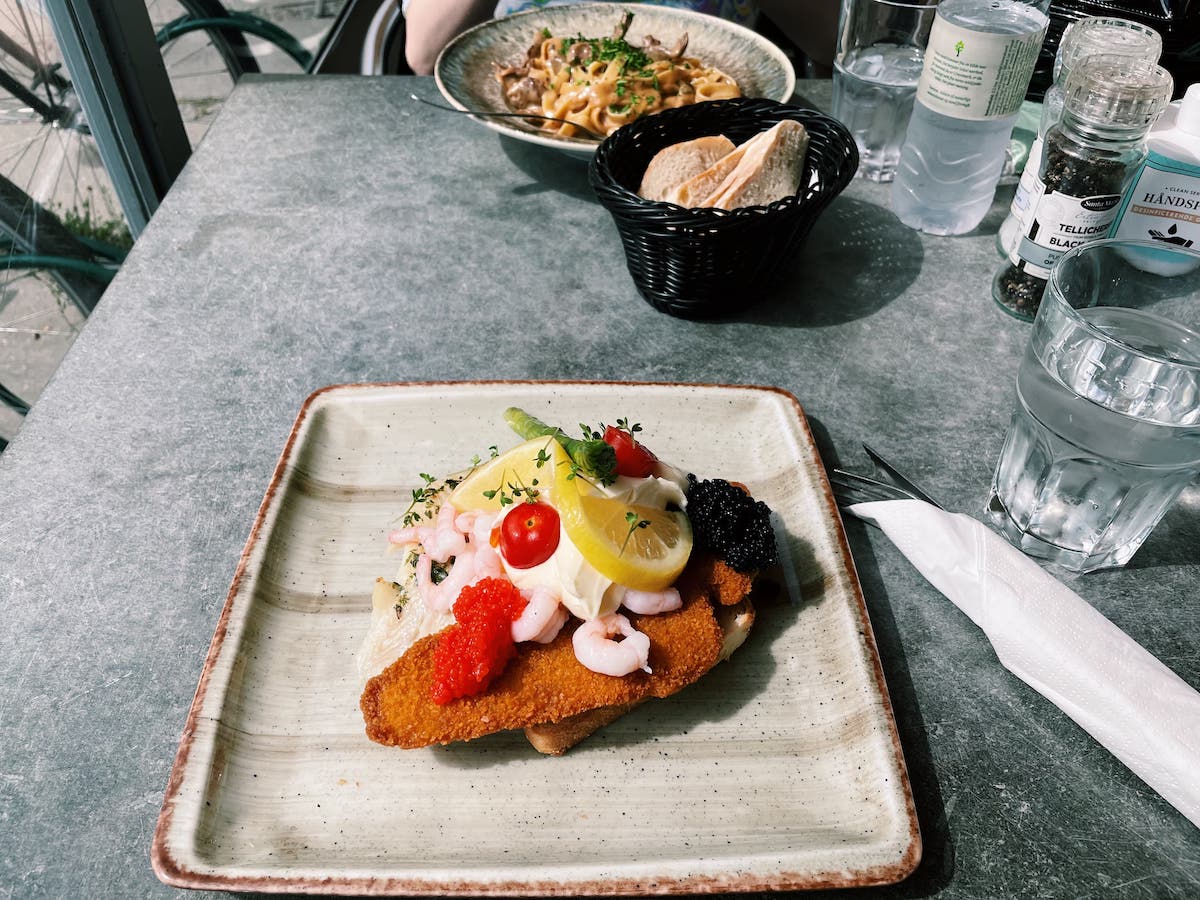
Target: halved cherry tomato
529, 534
632, 458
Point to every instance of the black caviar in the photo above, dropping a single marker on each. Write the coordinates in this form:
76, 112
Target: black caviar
730, 523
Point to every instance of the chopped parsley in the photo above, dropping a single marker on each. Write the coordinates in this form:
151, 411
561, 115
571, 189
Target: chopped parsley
607, 49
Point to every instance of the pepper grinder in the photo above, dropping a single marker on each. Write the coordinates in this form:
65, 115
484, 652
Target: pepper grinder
1109, 104
1084, 38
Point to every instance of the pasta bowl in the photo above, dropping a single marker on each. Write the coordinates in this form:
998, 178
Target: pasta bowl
465, 69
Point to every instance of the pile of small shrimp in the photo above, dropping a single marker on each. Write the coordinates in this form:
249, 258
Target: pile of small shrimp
462, 541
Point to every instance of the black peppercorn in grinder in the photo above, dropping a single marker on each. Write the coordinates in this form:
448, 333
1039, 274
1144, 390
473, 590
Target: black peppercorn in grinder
1093, 36
1109, 104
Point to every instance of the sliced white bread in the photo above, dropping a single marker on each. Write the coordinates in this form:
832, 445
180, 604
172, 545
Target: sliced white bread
674, 165
697, 189
769, 169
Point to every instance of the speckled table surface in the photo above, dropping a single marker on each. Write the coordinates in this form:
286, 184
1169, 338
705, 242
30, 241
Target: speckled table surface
331, 230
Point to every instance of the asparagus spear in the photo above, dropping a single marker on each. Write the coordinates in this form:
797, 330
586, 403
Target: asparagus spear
597, 459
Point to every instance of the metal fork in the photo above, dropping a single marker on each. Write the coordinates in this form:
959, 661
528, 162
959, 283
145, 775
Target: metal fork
510, 115
850, 487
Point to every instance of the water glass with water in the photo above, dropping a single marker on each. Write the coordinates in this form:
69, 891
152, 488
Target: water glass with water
877, 63
1106, 432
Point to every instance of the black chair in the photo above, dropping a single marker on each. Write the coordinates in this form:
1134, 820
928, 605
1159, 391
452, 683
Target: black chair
366, 38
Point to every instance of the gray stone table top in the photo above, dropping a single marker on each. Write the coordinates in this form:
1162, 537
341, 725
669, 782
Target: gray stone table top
331, 230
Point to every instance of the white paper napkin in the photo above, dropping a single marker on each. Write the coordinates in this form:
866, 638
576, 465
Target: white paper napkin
1052, 639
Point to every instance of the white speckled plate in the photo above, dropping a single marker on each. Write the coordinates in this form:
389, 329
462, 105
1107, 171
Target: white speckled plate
464, 70
779, 770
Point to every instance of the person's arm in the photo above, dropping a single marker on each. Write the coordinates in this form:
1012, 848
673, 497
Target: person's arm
429, 26
809, 24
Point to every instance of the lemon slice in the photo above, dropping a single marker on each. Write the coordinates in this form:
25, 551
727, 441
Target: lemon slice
637, 546
533, 464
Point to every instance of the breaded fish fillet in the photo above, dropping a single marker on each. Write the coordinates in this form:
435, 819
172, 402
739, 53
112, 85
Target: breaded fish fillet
543, 683
725, 586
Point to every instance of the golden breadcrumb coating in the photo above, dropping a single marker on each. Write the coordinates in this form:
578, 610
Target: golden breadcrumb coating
556, 738
724, 585
545, 683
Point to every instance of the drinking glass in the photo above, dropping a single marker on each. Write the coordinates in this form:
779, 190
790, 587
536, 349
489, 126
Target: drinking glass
1106, 432
876, 67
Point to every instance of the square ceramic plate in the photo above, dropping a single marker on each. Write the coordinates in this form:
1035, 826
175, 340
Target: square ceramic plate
779, 770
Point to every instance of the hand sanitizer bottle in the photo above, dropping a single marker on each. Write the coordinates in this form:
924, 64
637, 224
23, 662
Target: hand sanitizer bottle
1162, 202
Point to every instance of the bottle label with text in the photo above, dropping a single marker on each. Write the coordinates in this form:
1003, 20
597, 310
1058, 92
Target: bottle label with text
976, 75
1162, 204
1059, 223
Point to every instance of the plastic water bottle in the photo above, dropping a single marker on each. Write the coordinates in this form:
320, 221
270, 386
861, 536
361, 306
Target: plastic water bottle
977, 68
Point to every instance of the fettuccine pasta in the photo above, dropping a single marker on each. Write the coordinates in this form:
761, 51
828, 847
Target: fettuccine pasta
600, 84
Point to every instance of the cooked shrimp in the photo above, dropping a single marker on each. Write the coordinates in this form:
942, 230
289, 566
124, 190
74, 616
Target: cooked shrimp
440, 597
650, 603
477, 525
474, 557
441, 540
446, 541
596, 650
543, 617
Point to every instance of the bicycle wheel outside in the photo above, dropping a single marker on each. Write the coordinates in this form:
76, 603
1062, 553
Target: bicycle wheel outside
61, 228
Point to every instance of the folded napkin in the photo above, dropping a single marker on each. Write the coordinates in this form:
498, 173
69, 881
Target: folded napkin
1054, 641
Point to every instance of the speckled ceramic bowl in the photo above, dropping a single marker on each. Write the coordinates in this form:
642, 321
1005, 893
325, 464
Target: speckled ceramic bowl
464, 71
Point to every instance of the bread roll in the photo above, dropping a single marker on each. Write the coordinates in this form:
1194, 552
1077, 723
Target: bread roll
699, 188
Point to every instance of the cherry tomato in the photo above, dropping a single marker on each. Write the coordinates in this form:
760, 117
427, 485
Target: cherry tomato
529, 534
632, 458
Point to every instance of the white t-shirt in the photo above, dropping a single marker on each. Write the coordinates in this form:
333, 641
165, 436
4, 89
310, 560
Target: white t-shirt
744, 12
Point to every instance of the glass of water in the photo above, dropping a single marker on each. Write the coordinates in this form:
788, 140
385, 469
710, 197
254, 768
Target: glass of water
1106, 433
876, 67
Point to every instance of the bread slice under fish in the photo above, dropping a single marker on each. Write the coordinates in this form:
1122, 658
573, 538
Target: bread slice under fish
556, 738
769, 169
681, 162
729, 592
547, 684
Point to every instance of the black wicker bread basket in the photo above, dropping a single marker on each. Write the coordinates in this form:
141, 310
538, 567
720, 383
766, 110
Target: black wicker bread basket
708, 262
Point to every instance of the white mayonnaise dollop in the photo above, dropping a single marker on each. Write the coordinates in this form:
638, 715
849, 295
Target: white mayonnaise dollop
585, 592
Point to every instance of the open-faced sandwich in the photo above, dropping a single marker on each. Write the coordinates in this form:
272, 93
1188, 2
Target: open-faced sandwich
554, 587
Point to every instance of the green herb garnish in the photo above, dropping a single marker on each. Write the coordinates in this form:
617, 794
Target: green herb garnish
634, 524
592, 456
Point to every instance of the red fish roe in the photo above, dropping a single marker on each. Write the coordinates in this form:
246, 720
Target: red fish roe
489, 598
477, 647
